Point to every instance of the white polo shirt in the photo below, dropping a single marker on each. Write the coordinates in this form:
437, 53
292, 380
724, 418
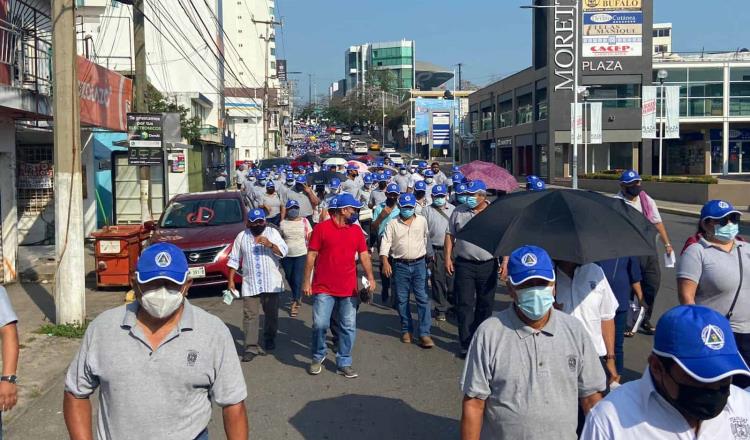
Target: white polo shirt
589, 298
636, 411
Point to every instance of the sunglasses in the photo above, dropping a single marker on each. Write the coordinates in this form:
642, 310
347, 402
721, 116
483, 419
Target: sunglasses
734, 218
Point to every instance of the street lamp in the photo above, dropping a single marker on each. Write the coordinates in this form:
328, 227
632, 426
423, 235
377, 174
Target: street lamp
576, 57
662, 76
585, 95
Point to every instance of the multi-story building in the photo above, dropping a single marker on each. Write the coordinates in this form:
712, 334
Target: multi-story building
396, 57
662, 38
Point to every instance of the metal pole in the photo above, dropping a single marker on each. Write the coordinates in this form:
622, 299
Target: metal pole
70, 289
661, 129
141, 81
575, 97
383, 101
585, 140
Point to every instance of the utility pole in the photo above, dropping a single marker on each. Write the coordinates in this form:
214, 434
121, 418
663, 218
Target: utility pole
459, 75
309, 86
141, 80
70, 290
266, 101
222, 106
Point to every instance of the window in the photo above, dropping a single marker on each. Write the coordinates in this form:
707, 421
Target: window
273, 51
662, 32
487, 118
661, 48
617, 95
273, 65
739, 91
524, 109
701, 90
505, 114
271, 12
541, 104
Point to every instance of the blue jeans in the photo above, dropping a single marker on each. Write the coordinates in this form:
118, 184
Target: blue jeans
621, 323
408, 277
202, 436
347, 311
294, 269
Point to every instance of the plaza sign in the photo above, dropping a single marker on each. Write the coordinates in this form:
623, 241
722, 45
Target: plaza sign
564, 38
601, 66
612, 5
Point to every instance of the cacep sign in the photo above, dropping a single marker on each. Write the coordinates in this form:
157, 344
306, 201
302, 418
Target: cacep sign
612, 46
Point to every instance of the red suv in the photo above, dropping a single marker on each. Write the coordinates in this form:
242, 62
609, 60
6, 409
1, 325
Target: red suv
204, 225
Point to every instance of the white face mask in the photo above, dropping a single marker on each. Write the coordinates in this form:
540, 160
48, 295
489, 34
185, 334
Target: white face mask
161, 302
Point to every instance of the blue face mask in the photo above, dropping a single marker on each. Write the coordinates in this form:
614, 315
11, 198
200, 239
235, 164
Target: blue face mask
726, 233
472, 202
352, 219
439, 201
461, 199
406, 213
535, 302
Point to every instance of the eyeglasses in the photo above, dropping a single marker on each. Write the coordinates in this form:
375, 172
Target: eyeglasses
734, 218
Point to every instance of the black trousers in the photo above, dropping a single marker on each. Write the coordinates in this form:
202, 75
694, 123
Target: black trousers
442, 283
650, 282
474, 285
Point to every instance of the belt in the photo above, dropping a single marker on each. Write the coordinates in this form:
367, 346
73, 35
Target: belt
440, 248
407, 261
464, 260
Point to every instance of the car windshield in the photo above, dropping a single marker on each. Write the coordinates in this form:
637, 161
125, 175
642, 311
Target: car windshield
202, 212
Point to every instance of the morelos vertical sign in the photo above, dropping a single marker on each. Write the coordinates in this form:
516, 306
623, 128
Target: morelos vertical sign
565, 45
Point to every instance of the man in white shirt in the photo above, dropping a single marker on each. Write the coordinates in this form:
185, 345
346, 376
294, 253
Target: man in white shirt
258, 250
686, 391
584, 292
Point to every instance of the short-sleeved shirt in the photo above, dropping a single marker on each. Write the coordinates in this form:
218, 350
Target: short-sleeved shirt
376, 213
294, 233
463, 249
377, 196
530, 379
636, 203
589, 298
717, 274
261, 267
351, 186
636, 411
438, 223
305, 207
335, 268
7, 314
402, 181
162, 393
621, 274
272, 202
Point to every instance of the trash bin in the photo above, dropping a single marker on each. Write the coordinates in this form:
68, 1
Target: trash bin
116, 250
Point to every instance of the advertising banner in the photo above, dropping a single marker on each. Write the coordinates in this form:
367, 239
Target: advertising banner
648, 109
596, 123
441, 129
145, 130
281, 70
34, 175
576, 123
422, 109
105, 96
612, 29
612, 5
613, 46
672, 111
594, 18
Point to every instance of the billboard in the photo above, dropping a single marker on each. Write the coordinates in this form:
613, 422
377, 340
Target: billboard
605, 18
612, 29
281, 70
105, 96
612, 5
613, 46
441, 129
424, 106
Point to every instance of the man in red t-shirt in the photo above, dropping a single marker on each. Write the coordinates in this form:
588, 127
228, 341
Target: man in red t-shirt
332, 250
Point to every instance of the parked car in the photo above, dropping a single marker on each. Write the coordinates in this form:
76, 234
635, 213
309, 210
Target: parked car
395, 158
346, 137
204, 225
389, 148
359, 147
267, 164
339, 131
357, 131
375, 146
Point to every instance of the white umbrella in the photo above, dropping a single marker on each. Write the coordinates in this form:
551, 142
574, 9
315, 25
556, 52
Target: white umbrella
335, 161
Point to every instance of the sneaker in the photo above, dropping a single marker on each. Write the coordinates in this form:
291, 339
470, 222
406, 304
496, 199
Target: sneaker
315, 368
348, 372
426, 342
647, 328
441, 317
406, 338
247, 357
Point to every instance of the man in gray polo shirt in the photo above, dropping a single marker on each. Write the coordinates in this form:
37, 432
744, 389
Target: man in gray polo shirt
304, 195
476, 270
159, 363
530, 365
437, 215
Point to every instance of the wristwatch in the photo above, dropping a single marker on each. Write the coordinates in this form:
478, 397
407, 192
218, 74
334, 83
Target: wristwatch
12, 378
609, 357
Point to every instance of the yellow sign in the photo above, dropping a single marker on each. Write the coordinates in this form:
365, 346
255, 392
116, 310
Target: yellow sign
612, 5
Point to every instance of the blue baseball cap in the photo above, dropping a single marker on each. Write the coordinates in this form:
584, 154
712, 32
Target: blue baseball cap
700, 340
256, 214
476, 186
289, 176
270, 184
531, 179
352, 167
528, 262
457, 178
346, 200
162, 261
388, 173
716, 209
420, 185
439, 190
335, 183
292, 204
630, 176
455, 169
461, 188
368, 178
402, 166
301, 179
428, 173
423, 164
537, 185
382, 177
392, 188
406, 200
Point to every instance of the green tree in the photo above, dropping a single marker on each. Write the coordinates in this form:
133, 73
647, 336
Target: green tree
157, 103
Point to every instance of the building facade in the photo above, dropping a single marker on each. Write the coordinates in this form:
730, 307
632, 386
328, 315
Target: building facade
397, 57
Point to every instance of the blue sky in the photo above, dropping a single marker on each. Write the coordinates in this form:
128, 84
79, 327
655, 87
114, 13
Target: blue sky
492, 38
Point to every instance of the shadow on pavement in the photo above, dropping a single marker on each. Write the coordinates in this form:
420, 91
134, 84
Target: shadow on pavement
42, 298
369, 417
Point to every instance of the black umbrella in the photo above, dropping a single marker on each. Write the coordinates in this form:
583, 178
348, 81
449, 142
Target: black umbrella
309, 157
324, 177
577, 226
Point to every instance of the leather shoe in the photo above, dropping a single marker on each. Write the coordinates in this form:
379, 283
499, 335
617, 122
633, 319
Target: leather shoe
406, 338
426, 342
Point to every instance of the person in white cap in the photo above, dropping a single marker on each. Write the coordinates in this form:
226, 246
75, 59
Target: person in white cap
686, 391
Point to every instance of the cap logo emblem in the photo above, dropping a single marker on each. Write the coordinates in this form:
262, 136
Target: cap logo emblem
538, 184
713, 337
631, 174
529, 260
723, 205
163, 259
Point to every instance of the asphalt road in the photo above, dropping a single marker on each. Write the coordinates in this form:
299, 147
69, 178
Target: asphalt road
403, 392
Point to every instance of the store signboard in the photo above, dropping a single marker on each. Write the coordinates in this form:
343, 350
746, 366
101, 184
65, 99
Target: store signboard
612, 29
611, 18
145, 130
613, 46
105, 96
34, 175
612, 5
441, 129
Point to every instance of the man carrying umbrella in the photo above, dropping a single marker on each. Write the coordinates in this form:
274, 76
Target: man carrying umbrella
302, 194
475, 269
632, 193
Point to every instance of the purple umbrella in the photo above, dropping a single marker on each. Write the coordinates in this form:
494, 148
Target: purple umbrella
493, 176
